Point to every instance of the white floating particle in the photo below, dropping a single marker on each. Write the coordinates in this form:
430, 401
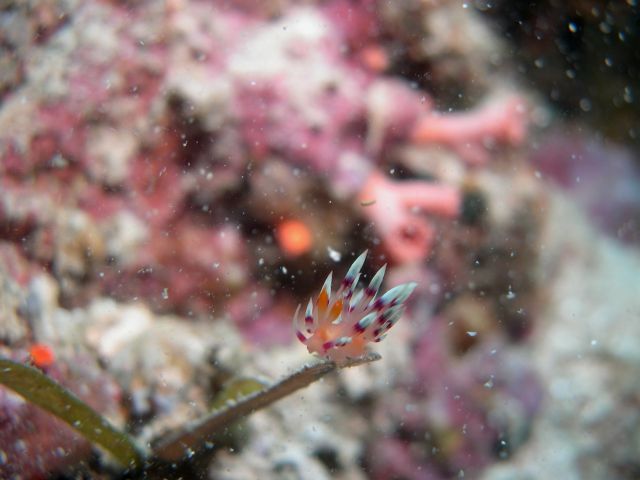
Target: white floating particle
165, 293
284, 269
334, 255
472, 334
585, 104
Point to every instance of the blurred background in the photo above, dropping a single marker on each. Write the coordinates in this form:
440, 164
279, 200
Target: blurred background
177, 176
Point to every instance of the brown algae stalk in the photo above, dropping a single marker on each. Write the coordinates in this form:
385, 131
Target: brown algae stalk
193, 436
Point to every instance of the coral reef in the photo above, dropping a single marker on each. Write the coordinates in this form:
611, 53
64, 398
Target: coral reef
175, 177
162, 135
601, 177
585, 353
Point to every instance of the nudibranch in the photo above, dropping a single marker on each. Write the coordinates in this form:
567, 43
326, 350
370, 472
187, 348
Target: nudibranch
339, 325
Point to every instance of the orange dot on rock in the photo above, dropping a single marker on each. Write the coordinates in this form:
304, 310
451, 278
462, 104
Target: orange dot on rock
42, 355
294, 237
375, 57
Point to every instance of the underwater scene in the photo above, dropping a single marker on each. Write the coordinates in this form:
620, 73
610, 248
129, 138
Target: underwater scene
319, 239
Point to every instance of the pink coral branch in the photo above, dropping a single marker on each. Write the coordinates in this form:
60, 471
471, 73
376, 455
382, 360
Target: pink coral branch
470, 132
394, 208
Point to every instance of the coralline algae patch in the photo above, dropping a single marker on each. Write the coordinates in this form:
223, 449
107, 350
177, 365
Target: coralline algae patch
159, 117
216, 161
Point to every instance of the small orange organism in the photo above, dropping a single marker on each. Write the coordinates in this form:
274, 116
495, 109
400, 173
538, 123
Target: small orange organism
294, 237
42, 355
375, 57
338, 326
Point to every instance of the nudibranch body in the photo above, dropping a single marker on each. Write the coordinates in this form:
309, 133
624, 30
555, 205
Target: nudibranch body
339, 325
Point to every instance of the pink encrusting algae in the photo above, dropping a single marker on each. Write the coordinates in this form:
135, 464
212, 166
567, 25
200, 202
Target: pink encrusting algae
339, 325
401, 214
